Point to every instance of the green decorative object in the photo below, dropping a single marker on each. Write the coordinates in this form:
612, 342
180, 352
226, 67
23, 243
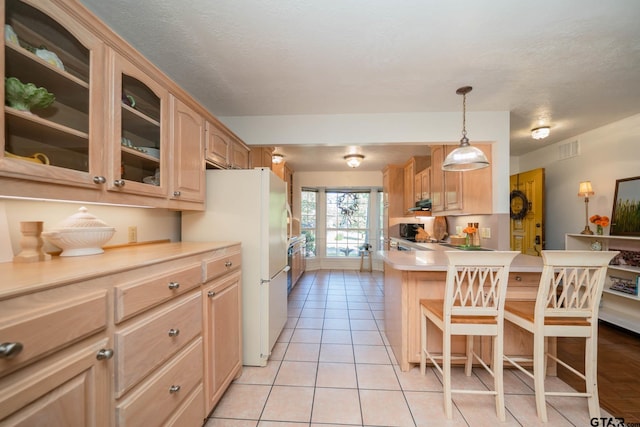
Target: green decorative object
25, 96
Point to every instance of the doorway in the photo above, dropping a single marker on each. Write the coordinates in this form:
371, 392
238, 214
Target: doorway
527, 212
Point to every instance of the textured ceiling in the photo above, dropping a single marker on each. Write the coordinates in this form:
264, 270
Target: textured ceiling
572, 64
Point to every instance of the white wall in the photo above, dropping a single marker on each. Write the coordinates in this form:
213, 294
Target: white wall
606, 154
152, 224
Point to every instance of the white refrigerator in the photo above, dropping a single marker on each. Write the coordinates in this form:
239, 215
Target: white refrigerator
250, 206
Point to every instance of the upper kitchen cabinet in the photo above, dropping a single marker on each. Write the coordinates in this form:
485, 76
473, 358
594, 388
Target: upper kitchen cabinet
261, 157
460, 192
188, 153
225, 150
413, 166
139, 131
59, 143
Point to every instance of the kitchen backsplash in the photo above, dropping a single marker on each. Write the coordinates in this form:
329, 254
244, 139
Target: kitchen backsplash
151, 224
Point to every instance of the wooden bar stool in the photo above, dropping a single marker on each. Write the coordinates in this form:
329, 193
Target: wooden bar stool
473, 304
365, 252
566, 306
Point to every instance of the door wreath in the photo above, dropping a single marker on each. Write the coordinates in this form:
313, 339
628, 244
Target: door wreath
519, 205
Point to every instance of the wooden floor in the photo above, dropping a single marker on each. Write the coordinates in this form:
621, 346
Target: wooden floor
618, 369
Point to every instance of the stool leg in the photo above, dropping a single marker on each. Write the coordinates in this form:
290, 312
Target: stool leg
446, 373
591, 374
498, 374
370, 262
539, 373
423, 343
468, 364
361, 260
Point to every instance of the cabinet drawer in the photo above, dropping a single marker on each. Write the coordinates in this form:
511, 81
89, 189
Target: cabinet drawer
147, 343
49, 320
191, 413
136, 296
157, 399
220, 266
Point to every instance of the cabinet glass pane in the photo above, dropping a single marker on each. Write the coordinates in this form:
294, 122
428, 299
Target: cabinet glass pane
140, 132
45, 54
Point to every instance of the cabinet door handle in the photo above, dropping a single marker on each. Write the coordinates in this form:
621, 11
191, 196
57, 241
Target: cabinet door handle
518, 279
176, 194
104, 354
99, 179
211, 294
174, 389
174, 332
228, 264
9, 350
174, 285
119, 183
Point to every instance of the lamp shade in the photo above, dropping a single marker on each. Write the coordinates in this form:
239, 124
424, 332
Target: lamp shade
585, 189
354, 160
465, 158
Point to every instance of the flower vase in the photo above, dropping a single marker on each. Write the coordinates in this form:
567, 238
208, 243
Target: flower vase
599, 230
467, 240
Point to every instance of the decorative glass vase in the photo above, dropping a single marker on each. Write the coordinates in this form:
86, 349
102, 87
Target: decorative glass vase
467, 240
599, 230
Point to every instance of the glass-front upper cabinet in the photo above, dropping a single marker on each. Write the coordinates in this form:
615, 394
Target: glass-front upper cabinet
139, 134
52, 93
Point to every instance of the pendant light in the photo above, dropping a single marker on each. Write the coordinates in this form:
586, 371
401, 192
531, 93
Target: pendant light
465, 157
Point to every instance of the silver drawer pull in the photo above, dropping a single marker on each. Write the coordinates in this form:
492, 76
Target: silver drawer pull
176, 193
174, 285
119, 183
174, 332
518, 279
10, 349
228, 264
104, 354
174, 389
211, 294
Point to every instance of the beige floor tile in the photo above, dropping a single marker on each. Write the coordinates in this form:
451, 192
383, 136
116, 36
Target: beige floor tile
280, 404
428, 410
523, 409
360, 314
259, 375
337, 375
377, 377
312, 312
367, 338
285, 335
291, 323
342, 353
385, 408
341, 324
335, 336
315, 304
480, 410
302, 352
278, 350
281, 424
225, 422
364, 325
310, 323
336, 313
512, 383
356, 303
371, 354
294, 311
413, 380
244, 401
378, 314
336, 303
312, 336
297, 373
376, 306
336, 406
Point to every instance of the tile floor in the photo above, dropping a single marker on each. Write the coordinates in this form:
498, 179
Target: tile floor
332, 366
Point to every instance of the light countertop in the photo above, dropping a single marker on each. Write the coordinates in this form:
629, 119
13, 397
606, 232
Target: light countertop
434, 259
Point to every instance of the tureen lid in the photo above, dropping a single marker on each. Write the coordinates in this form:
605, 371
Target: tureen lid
82, 219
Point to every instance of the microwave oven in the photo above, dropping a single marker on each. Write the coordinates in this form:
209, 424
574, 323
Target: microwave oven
409, 230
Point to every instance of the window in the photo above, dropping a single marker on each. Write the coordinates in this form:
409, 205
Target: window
308, 220
347, 225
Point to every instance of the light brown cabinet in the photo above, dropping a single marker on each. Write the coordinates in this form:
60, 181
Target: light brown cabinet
225, 150
460, 192
113, 134
188, 182
392, 197
261, 157
120, 340
411, 168
298, 260
286, 174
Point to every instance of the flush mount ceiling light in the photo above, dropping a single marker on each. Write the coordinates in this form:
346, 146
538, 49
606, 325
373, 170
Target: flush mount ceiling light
540, 132
465, 157
277, 158
354, 160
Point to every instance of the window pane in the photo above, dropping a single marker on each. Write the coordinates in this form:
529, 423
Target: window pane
308, 220
347, 223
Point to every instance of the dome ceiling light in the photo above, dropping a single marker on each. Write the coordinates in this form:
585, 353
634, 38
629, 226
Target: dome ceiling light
465, 157
354, 160
277, 158
540, 132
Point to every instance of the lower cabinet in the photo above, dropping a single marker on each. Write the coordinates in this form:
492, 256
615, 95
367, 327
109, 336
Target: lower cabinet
298, 261
222, 303
134, 337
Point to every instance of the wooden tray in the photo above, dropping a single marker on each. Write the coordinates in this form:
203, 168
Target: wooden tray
440, 228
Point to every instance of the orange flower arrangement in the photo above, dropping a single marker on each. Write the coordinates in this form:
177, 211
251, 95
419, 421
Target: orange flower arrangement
469, 230
602, 221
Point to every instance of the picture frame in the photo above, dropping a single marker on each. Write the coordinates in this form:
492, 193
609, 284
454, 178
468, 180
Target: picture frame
625, 217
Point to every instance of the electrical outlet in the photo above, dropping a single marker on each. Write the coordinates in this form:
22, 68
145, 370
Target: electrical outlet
458, 230
133, 234
486, 233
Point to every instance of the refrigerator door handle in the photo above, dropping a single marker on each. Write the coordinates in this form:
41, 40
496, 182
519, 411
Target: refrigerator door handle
285, 269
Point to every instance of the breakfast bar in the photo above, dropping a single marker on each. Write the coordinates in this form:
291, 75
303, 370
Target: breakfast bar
410, 276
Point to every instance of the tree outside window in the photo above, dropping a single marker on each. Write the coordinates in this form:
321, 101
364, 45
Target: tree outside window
308, 220
347, 223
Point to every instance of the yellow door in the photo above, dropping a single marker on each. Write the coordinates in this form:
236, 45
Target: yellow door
527, 212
